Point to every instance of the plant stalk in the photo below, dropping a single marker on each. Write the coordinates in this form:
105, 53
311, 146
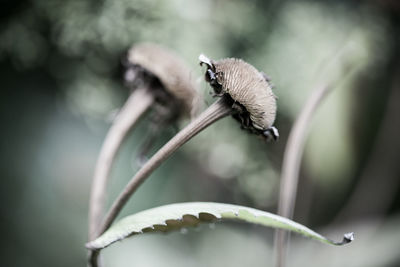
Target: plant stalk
213, 113
297, 138
291, 166
134, 108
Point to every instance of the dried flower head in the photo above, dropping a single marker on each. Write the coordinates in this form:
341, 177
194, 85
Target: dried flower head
150, 63
161, 82
250, 90
245, 94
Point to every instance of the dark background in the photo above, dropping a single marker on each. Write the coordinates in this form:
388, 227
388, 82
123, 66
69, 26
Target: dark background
60, 83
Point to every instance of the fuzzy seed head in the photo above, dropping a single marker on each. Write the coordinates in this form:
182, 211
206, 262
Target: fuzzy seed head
246, 86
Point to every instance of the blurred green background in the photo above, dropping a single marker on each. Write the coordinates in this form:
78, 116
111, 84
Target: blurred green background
59, 65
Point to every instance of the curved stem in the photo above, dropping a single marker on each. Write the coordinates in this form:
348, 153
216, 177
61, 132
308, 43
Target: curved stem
136, 105
216, 111
291, 165
213, 113
293, 152
296, 142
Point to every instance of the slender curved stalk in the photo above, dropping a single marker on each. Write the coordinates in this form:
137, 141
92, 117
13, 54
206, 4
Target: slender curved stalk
296, 142
216, 111
294, 150
213, 113
136, 105
291, 165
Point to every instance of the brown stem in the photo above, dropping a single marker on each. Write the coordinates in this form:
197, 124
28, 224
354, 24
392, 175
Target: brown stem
294, 150
136, 105
296, 141
291, 165
215, 112
93, 257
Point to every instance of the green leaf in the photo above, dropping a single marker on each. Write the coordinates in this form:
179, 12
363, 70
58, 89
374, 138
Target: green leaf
176, 216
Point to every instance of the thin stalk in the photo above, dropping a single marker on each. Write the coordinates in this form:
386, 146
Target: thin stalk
136, 105
294, 150
296, 142
291, 166
213, 113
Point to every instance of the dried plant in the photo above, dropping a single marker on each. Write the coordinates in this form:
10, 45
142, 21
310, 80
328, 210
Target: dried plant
158, 78
243, 92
